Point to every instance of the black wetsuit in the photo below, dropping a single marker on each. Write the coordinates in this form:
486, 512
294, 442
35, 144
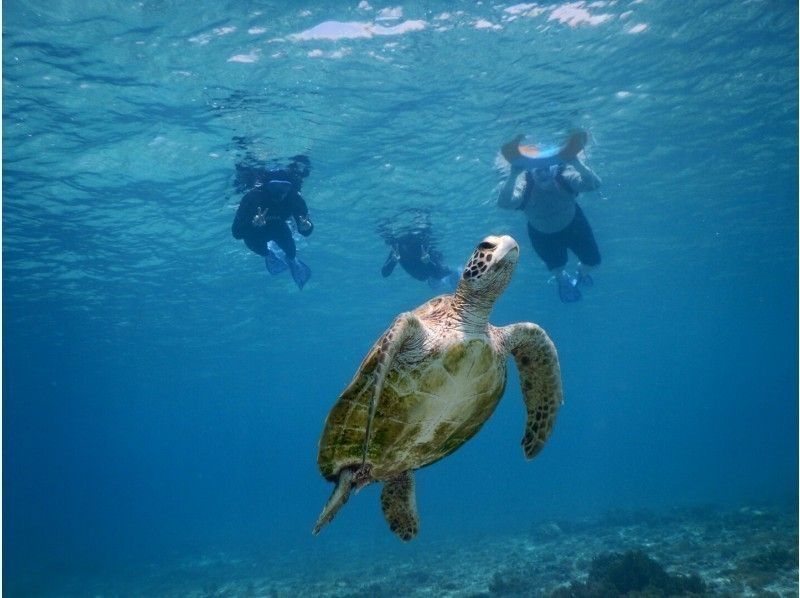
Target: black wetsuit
410, 247
278, 210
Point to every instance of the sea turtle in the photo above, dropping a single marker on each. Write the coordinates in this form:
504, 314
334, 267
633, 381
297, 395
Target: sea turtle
428, 385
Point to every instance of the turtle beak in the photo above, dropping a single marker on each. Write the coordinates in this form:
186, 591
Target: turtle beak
505, 247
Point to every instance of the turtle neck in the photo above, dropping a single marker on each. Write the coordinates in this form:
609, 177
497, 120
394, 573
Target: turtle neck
470, 311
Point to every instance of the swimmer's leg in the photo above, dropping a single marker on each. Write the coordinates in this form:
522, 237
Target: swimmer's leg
282, 235
279, 232
584, 278
274, 260
552, 249
584, 245
279, 247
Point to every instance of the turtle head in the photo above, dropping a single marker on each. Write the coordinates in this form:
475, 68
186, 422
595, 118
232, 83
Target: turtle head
490, 267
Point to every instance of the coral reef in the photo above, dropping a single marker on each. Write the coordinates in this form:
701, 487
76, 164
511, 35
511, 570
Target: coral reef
632, 573
639, 554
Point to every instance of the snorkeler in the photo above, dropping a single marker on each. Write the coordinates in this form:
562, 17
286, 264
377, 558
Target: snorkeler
413, 250
263, 214
556, 223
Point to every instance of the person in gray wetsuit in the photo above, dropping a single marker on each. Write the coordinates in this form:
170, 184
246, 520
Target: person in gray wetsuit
556, 222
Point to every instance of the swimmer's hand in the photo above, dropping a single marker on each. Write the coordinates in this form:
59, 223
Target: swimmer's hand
303, 224
260, 219
395, 253
510, 150
574, 145
425, 258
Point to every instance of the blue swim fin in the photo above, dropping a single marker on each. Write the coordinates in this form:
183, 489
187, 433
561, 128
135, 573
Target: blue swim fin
275, 265
447, 283
585, 280
568, 290
300, 272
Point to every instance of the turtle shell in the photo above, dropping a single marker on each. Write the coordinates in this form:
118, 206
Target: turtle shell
433, 401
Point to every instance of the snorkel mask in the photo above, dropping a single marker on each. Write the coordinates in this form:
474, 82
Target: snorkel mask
279, 187
545, 178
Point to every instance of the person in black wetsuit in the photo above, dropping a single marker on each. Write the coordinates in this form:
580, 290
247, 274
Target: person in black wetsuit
414, 252
264, 212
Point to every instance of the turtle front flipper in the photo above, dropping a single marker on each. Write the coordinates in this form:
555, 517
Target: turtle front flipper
540, 376
399, 504
405, 327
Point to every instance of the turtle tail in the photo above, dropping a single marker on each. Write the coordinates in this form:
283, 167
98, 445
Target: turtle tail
339, 496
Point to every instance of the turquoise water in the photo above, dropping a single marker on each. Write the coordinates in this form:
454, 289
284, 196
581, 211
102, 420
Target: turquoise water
163, 396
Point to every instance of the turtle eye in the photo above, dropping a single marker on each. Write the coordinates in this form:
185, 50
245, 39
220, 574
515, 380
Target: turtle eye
486, 245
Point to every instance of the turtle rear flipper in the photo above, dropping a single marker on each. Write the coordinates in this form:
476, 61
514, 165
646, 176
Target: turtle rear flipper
399, 504
339, 496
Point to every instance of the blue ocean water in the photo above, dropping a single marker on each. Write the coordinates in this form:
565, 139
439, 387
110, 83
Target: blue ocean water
163, 395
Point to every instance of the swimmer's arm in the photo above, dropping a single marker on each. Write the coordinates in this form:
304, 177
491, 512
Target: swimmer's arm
391, 262
506, 198
587, 181
304, 225
243, 221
